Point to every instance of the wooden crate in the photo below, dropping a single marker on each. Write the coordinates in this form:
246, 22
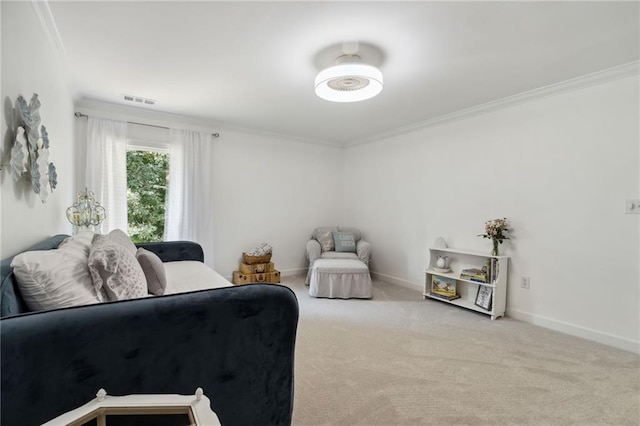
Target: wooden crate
266, 277
258, 268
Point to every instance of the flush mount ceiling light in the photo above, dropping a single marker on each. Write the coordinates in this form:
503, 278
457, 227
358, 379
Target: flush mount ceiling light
349, 80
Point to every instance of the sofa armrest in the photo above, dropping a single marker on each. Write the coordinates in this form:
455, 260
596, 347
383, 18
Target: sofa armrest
172, 251
237, 343
313, 250
363, 249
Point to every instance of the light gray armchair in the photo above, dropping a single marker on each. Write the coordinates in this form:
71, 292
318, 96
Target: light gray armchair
321, 246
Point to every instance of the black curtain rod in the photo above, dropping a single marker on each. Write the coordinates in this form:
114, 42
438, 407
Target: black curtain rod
81, 115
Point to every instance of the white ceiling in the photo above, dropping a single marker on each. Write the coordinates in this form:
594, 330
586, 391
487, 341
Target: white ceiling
253, 65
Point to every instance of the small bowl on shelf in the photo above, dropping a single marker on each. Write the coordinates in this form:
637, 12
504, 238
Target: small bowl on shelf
442, 270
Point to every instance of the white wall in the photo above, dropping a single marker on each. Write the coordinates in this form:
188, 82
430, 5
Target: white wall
276, 191
266, 188
30, 65
559, 168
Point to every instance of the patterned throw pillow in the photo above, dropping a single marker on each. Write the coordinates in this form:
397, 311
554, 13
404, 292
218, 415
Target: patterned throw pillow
344, 242
154, 272
325, 237
120, 237
115, 271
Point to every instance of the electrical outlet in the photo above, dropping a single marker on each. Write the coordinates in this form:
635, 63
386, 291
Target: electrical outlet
632, 207
524, 282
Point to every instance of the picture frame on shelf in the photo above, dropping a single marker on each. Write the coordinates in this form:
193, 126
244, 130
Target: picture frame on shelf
443, 285
483, 297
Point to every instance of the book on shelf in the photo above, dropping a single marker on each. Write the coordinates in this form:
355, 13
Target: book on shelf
444, 297
487, 267
443, 286
476, 279
474, 271
492, 270
479, 276
474, 274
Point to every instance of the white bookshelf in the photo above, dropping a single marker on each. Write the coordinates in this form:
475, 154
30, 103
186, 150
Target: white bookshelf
460, 259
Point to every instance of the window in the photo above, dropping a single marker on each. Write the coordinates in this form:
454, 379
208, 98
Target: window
147, 173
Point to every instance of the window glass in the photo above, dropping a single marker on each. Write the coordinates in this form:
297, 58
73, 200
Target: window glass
147, 173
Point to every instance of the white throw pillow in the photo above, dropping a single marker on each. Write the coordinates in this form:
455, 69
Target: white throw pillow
51, 279
82, 241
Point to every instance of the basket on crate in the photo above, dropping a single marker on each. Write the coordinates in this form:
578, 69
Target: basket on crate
260, 254
252, 260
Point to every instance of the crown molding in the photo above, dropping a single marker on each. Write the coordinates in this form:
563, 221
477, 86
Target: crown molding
582, 82
48, 25
41, 7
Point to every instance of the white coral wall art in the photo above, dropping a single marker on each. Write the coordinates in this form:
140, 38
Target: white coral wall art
42, 162
19, 155
30, 152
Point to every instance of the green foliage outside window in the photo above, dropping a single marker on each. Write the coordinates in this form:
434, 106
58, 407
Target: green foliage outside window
146, 194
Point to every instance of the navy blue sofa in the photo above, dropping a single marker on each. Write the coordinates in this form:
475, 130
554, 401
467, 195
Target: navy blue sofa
236, 343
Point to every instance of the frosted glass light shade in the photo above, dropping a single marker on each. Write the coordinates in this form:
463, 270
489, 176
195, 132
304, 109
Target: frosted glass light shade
350, 82
86, 213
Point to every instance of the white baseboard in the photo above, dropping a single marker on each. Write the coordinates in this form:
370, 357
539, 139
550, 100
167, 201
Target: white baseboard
397, 281
576, 330
293, 272
550, 323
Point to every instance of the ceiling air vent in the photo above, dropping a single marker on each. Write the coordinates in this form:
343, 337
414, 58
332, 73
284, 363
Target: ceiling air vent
138, 100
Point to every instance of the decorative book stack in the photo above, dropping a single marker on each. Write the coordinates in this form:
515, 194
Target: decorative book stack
257, 267
485, 275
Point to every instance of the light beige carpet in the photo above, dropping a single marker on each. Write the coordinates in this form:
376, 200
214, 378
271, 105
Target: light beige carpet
401, 360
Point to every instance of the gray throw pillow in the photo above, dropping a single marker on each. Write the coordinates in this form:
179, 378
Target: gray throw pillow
114, 269
344, 242
153, 269
325, 237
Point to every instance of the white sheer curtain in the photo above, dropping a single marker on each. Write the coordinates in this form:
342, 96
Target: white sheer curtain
106, 172
189, 205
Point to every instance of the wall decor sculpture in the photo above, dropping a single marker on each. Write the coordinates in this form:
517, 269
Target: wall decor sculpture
30, 152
